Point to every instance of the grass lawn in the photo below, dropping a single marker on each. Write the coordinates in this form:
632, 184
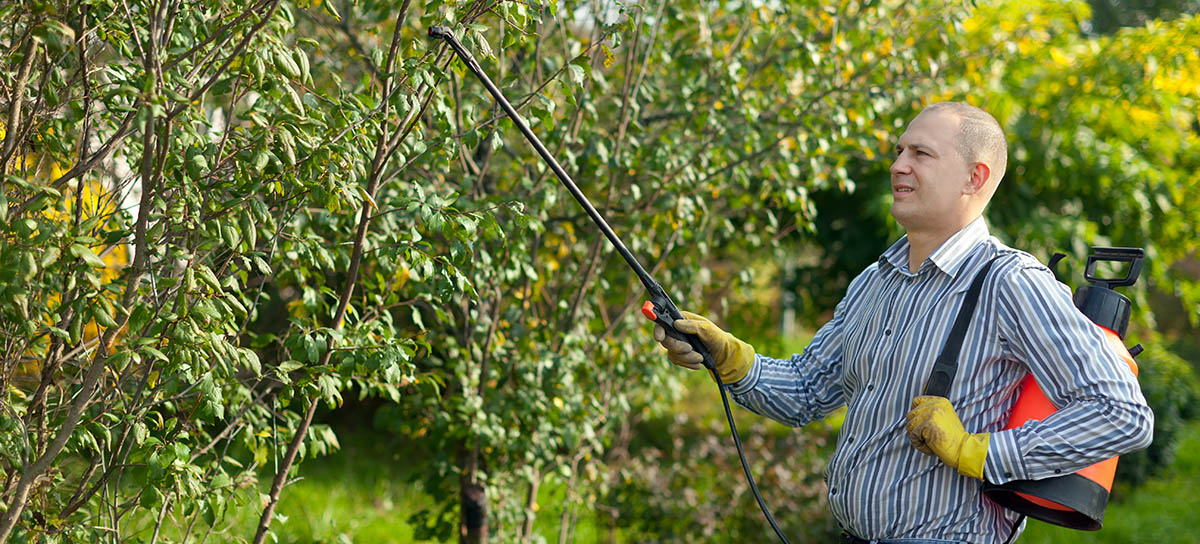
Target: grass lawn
354, 495
359, 493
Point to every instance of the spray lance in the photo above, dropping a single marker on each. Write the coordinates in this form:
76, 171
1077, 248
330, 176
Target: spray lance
659, 308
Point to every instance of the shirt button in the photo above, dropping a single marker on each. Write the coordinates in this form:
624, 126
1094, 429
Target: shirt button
1008, 475
870, 387
833, 491
887, 332
1058, 471
850, 440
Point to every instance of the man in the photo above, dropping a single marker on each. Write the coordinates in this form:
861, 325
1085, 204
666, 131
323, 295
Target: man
908, 466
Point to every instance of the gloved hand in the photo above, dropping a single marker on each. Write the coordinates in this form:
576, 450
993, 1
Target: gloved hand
934, 429
732, 356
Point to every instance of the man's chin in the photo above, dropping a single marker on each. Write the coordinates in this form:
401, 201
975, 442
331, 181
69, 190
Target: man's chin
903, 217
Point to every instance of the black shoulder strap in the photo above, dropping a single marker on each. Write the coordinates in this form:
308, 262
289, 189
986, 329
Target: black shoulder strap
946, 365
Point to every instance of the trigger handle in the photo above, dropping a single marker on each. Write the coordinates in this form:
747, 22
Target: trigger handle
663, 317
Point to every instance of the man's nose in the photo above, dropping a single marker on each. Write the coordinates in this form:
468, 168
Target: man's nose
901, 166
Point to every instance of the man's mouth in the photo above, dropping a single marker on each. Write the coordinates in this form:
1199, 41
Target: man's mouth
899, 189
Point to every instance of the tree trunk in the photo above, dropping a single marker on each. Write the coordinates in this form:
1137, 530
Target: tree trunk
473, 518
473, 527
530, 508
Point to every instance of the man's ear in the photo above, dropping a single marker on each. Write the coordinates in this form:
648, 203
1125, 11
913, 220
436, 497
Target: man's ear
980, 174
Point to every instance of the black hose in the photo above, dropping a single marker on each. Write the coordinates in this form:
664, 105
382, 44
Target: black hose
746, 466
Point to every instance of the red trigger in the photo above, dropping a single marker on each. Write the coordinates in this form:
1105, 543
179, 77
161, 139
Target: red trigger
648, 311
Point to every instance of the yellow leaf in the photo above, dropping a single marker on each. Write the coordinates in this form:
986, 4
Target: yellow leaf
367, 196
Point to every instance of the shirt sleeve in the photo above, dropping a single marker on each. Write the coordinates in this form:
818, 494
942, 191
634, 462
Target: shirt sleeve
1102, 412
807, 386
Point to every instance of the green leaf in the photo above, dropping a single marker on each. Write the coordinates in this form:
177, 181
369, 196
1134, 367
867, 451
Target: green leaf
28, 267
288, 366
150, 497
257, 67
140, 432
119, 359
285, 138
485, 48
103, 315
297, 104
285, 64
260, 160
83, 252
154, 352
329, 7
50, 256
301, 59
251, 360
575, 72
139, 317
310, 349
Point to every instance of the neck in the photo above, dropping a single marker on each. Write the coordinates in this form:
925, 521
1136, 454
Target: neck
922, 243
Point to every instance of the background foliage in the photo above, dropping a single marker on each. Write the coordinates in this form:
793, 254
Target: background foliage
223, 221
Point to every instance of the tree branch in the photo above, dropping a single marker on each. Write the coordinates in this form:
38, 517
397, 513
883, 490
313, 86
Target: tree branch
16, 103
360, 235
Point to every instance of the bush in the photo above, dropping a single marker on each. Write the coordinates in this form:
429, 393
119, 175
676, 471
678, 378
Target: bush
1173, 391
689, 485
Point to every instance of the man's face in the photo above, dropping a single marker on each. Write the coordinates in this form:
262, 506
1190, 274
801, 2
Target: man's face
929, 175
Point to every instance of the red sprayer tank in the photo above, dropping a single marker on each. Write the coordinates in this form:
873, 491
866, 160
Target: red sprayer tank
1075, 500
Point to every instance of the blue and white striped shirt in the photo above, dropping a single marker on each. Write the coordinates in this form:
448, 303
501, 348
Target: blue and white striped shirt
877, 352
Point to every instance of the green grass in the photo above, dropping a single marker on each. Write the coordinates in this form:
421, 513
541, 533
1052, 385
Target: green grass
357, 494
361, 493
1162, 510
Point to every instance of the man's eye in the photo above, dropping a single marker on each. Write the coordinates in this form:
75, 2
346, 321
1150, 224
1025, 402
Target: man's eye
922, 153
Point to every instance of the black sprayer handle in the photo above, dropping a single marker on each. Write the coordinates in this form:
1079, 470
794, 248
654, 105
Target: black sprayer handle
661, 310
664, 308
1131, 255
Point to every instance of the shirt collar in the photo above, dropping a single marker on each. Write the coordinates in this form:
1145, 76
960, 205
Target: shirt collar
948, 257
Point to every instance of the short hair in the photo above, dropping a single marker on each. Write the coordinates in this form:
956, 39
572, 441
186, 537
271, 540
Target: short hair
980, 137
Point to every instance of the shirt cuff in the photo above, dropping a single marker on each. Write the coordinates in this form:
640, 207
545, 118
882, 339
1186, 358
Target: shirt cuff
1004, 463
747, 383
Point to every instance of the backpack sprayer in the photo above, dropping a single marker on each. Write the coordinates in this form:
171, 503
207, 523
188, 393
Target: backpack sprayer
659, 308
1076, 501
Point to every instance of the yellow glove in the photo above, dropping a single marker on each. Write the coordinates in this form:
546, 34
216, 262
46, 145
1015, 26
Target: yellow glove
934, 429
732, 356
